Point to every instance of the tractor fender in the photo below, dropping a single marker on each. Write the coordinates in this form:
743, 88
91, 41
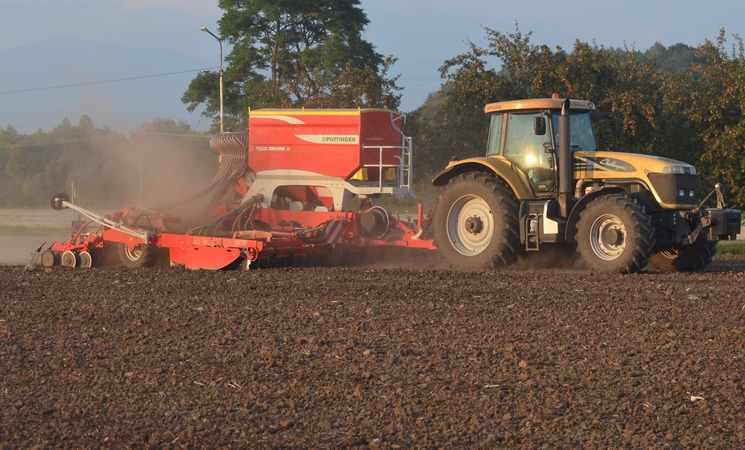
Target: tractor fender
573, 218
501, 168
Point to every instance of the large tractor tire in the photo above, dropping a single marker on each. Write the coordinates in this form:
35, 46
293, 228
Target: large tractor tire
615, 234
141, 255
690, 258
476, 223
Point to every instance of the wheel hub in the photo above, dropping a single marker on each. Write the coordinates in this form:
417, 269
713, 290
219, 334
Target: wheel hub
470, 225
613, 236
474, 225
134, 253
608, 237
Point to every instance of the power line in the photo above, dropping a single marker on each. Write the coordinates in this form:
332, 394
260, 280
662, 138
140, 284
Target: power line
90, 83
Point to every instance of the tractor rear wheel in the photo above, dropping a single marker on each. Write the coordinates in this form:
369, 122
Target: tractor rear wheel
476, 223
142, 255
615, 234
690, 258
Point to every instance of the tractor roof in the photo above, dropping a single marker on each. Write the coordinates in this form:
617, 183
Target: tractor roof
537, 103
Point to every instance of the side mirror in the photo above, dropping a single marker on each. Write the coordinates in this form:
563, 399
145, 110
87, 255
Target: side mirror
539, 126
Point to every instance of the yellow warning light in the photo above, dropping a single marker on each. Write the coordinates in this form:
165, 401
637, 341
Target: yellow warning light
361, 175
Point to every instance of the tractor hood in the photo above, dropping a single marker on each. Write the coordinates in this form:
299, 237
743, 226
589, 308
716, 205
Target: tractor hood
618, 164
672, 182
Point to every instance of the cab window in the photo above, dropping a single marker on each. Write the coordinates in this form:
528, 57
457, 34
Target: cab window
581, 135
495, 134
526, 149
522, 145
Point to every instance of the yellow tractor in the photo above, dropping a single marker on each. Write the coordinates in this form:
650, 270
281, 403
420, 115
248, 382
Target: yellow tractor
543, 181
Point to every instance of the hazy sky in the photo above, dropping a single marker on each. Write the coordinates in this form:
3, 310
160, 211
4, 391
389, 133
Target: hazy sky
421, 33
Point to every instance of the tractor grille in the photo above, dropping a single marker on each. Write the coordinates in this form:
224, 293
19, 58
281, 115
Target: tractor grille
675, 188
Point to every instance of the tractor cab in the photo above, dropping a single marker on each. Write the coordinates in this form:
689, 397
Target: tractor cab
526, 133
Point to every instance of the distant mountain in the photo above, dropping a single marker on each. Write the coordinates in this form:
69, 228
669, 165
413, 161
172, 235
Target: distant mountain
31, 97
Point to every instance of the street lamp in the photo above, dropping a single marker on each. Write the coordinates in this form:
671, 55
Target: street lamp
219, 41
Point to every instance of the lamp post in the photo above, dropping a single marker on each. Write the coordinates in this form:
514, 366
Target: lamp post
220, 42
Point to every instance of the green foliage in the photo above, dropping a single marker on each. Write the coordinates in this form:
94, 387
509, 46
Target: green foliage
714, 105
292, 53
675, 59
47, 162
106, 168
680, 102
731, 248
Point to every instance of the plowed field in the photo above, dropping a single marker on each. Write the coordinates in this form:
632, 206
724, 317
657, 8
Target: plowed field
372, 358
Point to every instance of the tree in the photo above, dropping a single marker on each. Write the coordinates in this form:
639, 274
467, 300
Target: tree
291, 53
627, 90
162, 160
716, 89
675, 59
456, 126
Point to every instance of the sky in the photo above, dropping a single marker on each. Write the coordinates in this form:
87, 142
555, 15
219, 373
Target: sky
420, 33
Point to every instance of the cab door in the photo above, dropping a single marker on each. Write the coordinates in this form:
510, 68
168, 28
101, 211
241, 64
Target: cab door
526, 146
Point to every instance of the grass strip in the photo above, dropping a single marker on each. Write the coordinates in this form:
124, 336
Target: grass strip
23, 230
731, 248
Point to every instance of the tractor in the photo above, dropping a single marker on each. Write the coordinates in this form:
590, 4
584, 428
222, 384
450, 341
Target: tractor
544, 182
301, 186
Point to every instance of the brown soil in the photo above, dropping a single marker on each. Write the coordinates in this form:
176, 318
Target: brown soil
372, 357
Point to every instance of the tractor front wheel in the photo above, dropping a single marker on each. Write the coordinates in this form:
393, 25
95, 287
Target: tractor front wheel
476, 223
614, 234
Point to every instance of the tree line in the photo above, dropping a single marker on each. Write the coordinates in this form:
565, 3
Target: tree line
160, 160
680, 101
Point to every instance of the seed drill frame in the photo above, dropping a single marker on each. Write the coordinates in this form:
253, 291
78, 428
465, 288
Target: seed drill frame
301, 188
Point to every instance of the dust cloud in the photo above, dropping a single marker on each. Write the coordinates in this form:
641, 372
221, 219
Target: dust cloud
154, 171
143, 170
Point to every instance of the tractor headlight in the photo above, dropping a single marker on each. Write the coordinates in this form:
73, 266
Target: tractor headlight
679, 170
683, 193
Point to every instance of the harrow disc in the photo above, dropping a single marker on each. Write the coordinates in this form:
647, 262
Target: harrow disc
86, 260
49, 258
69, 259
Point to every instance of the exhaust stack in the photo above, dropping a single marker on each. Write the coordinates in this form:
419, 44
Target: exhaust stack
565, 160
